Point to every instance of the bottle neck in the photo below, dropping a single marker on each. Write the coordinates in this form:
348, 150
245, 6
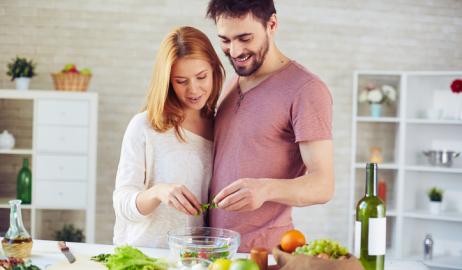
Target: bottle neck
15, 216
25, 163
371, 179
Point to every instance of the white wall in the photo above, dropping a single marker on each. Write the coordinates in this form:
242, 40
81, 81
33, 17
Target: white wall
118, 40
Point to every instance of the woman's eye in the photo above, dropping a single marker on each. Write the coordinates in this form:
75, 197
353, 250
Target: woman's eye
202, 77
181, 82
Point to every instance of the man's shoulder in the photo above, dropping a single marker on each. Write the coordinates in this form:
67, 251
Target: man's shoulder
300, 75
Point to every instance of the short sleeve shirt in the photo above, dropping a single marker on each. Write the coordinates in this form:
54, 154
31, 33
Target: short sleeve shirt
257, 136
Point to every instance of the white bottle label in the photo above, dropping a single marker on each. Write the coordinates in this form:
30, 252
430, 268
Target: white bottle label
357, 247
377, 236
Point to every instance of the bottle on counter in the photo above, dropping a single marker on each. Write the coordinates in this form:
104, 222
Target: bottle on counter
17, 241
24, 183
370, 225
428, 247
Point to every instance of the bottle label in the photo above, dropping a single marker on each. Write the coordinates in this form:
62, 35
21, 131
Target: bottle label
377, 236
357, 247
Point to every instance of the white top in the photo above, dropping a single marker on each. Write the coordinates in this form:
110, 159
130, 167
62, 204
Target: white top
159, 158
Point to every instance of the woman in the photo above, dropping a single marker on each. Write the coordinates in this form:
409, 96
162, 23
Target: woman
166, 158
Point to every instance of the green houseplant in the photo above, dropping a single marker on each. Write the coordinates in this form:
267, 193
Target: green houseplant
21, 70
69, 234
436, 197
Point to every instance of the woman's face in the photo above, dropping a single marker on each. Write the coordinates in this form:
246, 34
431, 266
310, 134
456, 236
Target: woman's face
192, 82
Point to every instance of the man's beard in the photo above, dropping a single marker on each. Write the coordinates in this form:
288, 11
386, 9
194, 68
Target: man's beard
258, 59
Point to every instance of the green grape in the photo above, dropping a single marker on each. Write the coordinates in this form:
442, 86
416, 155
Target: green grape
332, 248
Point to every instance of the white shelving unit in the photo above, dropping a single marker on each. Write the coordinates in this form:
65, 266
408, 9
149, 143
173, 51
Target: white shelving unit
57, 131
403, 133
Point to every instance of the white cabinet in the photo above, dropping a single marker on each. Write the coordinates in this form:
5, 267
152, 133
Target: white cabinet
62, 150
426, 115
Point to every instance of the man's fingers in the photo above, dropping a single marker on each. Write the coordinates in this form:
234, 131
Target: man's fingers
237, 205
232, 199
232, 188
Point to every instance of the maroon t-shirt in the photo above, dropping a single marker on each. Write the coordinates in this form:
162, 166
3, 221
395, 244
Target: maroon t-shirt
257, 137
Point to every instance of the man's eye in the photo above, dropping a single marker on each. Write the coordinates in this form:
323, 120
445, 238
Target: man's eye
224, 41
244, 39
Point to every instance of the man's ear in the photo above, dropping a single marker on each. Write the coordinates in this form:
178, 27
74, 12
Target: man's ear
272, 23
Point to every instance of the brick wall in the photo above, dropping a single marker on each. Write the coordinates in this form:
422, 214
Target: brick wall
118, 40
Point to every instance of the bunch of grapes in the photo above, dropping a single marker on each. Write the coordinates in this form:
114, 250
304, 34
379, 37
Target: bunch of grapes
324, 249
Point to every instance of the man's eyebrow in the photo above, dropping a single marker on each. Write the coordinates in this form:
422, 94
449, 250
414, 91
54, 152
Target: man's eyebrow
236, 36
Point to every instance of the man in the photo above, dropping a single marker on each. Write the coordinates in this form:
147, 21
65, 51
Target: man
273, 139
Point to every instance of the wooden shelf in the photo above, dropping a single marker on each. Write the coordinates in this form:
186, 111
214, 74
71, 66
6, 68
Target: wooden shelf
433, 121
368, 119
383, 166
446, 262
16, 152
433, 169
443, 216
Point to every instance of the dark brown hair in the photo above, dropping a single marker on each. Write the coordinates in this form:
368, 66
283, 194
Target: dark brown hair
260, 9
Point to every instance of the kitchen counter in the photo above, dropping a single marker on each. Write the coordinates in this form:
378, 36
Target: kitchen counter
45, 253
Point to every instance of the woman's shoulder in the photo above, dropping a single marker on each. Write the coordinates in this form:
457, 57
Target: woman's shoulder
139, 121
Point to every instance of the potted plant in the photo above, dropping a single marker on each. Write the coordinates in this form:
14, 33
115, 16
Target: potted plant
21, 70
436, 197
69, 234
376, 96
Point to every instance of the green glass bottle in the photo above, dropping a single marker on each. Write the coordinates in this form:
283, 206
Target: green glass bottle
24, 183
371, 225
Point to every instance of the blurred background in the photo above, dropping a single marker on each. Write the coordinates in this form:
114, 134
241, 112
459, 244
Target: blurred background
352, 45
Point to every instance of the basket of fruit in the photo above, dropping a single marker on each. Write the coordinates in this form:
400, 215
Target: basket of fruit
294, 253
72, 79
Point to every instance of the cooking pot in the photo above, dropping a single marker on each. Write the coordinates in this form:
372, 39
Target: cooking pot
441, 157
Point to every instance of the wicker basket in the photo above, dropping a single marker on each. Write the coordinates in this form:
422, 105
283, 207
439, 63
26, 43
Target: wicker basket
71, 81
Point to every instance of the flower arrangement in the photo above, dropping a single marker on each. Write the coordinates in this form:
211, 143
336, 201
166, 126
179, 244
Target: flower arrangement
435, 194
456, 86
378, 95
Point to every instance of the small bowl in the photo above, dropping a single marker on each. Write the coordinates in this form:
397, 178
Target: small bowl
203, 242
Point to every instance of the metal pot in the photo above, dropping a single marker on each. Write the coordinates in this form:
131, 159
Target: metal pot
441, 157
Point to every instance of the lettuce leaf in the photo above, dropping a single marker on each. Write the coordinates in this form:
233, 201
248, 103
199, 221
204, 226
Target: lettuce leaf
130, 258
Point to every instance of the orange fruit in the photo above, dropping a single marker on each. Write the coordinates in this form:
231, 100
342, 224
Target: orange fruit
291, 240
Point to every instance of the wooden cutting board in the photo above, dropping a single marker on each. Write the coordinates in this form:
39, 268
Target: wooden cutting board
82, 262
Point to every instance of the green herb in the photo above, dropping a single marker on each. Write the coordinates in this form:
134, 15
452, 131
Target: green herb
21, 67
130, 258
435, 194
25, 266
102, 258
207, 206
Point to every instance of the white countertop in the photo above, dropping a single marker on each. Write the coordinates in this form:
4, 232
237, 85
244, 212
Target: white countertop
47, 253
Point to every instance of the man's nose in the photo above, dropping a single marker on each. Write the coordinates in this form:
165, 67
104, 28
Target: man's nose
235, 49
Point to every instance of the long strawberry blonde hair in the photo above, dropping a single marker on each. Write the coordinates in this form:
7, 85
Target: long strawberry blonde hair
164, 109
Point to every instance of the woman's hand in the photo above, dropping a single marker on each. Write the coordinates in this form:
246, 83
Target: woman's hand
178, 197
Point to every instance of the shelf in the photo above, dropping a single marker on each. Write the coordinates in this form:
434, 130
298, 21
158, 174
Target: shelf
433, 169
377, 119
16, 152
4, 204
421, 214
382, 166
446, 262
433, 121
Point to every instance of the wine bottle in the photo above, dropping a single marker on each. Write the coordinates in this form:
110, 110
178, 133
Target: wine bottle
24, 183
370, 225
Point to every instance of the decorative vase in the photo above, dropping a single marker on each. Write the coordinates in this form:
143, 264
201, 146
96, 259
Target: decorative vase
24, 183
6, 140
22, 83
376, 109
435, 207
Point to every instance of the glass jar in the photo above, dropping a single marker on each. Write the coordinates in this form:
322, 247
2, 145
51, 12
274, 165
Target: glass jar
17, 241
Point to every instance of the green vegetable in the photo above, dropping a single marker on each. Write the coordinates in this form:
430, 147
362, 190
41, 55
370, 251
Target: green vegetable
25, 266
207, 206
130, 258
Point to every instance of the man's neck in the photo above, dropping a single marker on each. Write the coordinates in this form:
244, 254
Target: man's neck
274, 61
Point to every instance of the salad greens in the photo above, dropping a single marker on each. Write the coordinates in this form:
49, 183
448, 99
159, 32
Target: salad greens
130, 258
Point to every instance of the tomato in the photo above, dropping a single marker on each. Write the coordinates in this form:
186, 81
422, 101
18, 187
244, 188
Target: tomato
291, 240
221, 264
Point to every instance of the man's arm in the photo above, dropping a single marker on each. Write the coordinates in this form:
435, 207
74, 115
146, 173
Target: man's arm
315, 187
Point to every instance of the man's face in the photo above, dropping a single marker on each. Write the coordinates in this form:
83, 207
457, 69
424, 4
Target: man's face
245, 41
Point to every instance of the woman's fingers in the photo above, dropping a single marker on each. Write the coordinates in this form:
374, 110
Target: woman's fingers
174, 202
192, 199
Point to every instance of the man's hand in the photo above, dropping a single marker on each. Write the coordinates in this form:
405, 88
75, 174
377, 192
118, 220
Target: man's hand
245, 194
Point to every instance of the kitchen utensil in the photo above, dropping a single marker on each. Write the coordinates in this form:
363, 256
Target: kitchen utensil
441, 157
65, 250
203, 242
